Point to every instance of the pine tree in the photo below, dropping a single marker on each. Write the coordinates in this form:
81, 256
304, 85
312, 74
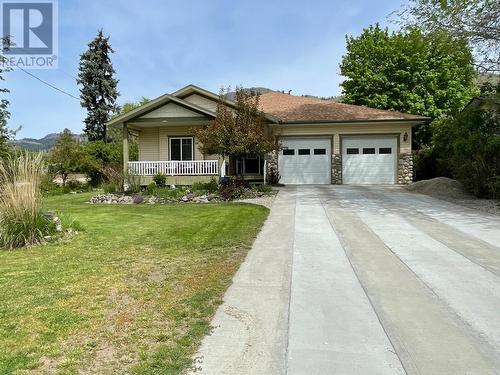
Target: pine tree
99, 88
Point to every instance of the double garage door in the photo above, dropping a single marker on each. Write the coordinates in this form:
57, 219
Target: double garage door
365, 160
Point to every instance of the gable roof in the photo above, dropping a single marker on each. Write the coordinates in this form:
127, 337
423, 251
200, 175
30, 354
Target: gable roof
157, 103
277, 108
300, 109
193, 89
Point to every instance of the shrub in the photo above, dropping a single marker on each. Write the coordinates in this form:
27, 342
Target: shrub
160, 180
113, 174
151, 189
169, 193
469, 145
205, 187
264, 188
110, 188
22, 222
138, 199
133, 183
67, 222
235, 189
103, 154
227, 192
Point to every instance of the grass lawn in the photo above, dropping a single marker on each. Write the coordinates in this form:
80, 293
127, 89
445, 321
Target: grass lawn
133, 293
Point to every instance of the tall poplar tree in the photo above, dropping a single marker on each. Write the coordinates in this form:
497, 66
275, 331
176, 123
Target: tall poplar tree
98, 93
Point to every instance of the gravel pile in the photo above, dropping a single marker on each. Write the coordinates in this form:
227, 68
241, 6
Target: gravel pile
453, 191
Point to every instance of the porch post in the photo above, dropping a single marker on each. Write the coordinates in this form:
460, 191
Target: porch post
125, 149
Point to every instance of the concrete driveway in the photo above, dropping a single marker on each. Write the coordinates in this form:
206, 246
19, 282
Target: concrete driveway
363, 280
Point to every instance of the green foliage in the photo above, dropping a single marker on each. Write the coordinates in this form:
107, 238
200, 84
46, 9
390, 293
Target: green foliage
160, 180
5, 134
103, 154
68, 156
408, 71
110, 188
473, 20
239, 132
99, 88
28, 229
22, 222
151, 188
129, 106
200, 188
469, 147
264, 188
165, 192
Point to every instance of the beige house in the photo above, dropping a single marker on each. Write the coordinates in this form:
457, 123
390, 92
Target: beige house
323, 141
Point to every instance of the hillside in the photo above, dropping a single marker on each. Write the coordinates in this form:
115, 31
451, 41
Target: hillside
42, 144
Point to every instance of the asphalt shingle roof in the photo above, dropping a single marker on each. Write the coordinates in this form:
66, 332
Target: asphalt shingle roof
290, 108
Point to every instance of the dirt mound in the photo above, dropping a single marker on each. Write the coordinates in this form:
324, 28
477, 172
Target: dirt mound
440, 187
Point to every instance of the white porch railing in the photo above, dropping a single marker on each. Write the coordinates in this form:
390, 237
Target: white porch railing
173, 168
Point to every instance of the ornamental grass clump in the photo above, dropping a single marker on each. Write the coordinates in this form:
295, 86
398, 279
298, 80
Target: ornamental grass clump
22, 222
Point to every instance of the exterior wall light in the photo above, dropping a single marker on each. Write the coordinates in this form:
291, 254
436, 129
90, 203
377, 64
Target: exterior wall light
405, 137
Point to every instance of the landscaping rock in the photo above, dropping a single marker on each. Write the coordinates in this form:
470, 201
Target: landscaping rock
188, 197
201, 199
51, 216
111, 199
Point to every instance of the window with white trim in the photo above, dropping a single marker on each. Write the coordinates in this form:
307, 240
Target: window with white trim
181, 148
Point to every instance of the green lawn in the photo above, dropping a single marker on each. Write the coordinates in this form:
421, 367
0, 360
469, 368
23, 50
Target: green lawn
133, 293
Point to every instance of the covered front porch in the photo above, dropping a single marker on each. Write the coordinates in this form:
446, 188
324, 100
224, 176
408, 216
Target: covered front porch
177, 172
165, 133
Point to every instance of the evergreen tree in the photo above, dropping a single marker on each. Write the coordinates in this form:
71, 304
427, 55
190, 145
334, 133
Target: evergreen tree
5, 133
99, 88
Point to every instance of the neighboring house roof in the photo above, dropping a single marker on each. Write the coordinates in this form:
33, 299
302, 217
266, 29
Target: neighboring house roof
290, 108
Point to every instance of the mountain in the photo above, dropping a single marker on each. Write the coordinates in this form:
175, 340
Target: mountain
264, 90
261, 90
42, 144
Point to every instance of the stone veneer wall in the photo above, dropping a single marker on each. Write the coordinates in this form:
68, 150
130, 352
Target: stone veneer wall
405, 169
336, 169
272, 165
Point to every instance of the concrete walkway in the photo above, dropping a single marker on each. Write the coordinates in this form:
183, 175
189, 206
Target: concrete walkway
363, 280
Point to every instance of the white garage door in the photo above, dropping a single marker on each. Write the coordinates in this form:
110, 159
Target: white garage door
305, 161
368, 160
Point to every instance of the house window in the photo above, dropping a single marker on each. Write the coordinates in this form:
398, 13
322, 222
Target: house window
352, 151
320, 151
304, 151
369, 151
289, 152
181, 148
385, 150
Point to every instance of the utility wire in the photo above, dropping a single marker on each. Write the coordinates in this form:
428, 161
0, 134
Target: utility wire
48, 84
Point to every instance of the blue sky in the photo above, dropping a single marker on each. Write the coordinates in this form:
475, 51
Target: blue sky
161, 46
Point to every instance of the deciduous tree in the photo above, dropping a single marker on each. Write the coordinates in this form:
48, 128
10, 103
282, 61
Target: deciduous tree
477, 21
68, 156
237, 132
408, 71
